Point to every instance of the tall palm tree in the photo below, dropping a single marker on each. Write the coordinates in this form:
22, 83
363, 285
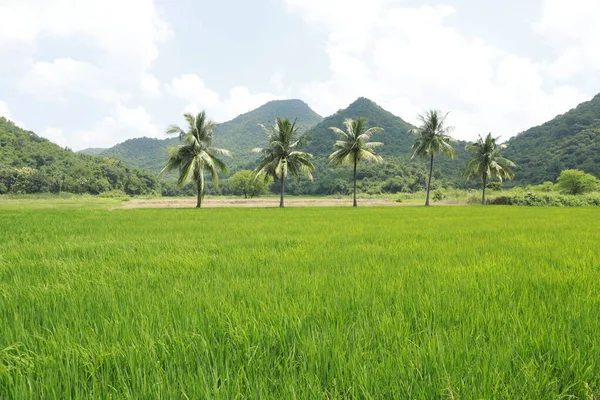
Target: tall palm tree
433, 136
196, 154
282, 156
487, 162
355, 146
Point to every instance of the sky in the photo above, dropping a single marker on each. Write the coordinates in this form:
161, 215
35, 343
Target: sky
93, 73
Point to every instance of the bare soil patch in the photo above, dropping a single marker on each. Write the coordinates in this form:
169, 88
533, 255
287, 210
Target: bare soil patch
217, 202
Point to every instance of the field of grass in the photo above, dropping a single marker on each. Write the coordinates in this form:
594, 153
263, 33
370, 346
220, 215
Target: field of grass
446, 302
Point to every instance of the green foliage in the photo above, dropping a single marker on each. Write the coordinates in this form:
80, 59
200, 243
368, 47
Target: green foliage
432, 137
282, 156
569, 141
239, 135
547, 199
573, 181
196, 155
403, 303
245, 183
398, 173
32, 164
495, 186
353, 146
487, 162
439, 195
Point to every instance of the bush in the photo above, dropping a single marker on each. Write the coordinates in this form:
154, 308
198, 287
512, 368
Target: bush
439, 195
554, 200
495, 186
574, 181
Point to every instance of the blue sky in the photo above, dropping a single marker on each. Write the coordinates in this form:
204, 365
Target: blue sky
92, 73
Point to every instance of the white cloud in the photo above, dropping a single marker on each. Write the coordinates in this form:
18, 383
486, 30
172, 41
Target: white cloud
63, 77
55, 135
120, 38
573, 30
5, 112
121, 124
411, 58
150, 85
192, 89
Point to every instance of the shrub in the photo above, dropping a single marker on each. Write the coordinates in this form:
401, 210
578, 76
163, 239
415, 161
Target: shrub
574, 181
439, 195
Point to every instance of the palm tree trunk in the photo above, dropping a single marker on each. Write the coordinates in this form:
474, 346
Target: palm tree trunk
199, 201
483, 191
429, 181
281, 205
354, 204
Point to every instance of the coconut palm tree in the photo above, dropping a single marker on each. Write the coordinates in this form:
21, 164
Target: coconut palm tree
282, 157
433, 136
196, 154
487, 162
354, 146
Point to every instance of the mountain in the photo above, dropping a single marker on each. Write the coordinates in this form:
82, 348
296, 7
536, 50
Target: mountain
394, 136
569, 141
92, 151
397, 173
239, 135
32, 164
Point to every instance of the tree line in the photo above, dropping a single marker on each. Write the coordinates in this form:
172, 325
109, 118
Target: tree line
283, 156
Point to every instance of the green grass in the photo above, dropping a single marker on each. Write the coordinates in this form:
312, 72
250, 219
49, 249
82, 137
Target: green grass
446, 302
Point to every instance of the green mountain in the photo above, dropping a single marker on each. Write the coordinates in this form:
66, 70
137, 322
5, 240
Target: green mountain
92, 151
239, 135
397, 174
569, 141
32, 164
394, 136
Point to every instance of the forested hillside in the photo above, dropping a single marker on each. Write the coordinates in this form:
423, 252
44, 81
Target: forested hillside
569, 141
398, 173
239, 135
32, 164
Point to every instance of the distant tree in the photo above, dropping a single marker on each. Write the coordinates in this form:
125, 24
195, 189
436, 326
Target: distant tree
487, 162
354, 146
433, 136
196, 154
244, 183
282, 157
574, 181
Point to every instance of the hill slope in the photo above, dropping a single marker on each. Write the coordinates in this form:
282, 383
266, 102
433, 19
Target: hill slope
92, 151
394, 136
238, 135
571, 140
397, 173
32, 164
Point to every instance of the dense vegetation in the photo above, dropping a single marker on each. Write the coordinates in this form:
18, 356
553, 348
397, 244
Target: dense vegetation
238, 135
569, 141
31, 164
407, 303
396, 174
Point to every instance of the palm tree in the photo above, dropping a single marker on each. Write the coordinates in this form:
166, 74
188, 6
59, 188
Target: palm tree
487, 162
196, 154
433, 136
355, 146
281, 156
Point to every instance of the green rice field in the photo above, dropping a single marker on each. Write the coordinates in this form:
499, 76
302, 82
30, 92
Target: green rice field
302, 303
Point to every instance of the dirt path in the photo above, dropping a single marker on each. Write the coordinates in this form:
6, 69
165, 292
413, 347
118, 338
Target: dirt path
216, 202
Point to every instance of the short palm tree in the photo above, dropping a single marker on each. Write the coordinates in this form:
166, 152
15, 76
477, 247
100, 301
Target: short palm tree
282, 157
354, 146
196, 154
487, 162
433, 136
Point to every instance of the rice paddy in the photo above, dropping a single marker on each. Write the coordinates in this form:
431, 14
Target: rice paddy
370, 303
